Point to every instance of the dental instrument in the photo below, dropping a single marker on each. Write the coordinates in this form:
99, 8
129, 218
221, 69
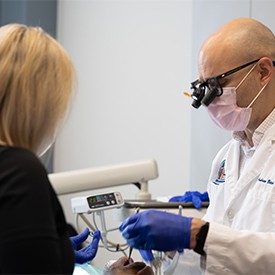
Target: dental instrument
131, 248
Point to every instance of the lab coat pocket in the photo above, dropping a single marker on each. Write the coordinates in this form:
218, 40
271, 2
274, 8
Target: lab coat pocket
217, 204
259, 206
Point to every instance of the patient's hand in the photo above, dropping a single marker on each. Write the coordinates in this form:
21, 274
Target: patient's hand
120, 267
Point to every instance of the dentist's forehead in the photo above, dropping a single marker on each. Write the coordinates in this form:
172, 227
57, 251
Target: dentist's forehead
212, 61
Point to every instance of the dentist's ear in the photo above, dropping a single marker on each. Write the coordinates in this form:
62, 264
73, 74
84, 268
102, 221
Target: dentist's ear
266, 69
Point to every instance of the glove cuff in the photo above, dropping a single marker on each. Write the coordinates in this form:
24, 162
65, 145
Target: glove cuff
186, 231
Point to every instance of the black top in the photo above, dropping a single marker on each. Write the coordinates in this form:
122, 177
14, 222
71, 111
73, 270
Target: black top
33, 235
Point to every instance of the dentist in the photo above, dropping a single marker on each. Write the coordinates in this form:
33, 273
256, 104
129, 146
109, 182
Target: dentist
237, 87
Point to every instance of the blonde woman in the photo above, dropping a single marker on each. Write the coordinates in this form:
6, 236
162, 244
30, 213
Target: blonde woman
36, 84
37, 81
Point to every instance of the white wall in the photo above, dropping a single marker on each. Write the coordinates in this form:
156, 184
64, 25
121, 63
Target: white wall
133, 62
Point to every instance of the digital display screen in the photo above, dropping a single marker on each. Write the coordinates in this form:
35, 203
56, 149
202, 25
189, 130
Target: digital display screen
102, 200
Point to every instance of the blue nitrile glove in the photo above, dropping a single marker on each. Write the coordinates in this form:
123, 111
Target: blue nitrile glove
87, 253
147, 255
192, 196
157, 230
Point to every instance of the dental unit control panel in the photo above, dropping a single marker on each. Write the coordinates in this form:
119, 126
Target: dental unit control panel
97, 202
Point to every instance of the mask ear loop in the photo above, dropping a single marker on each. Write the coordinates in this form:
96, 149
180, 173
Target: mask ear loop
246, 76
256, 96
245, 79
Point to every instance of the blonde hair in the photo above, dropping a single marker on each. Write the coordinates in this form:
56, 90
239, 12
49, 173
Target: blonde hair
37, 79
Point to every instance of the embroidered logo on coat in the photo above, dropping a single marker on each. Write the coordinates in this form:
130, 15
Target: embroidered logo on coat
221, 174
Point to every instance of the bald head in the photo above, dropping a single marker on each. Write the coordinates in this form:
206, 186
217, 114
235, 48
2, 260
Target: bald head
238, 41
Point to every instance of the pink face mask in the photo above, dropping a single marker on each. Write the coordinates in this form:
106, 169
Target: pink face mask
225, 112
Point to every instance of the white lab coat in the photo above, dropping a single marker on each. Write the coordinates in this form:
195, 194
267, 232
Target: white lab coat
245, 203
